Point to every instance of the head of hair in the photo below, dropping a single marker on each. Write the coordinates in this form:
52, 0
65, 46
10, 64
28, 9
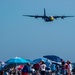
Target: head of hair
28, 64
43, 62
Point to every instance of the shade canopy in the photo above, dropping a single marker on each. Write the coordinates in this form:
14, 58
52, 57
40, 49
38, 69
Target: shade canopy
16, 60
30, 61
53, 58
39, 60
13, 62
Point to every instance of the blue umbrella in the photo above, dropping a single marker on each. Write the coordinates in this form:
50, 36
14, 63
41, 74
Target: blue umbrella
40, 59
53, 58
16, 60
13, 62
30, 61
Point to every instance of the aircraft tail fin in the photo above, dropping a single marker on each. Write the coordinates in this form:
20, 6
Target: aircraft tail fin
44, 12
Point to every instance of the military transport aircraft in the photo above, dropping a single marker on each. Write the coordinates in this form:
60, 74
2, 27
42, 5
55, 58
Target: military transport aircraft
47, 18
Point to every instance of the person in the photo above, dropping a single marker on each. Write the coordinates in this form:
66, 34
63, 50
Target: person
12, 71
26, 69
69, 68
32, 70
1, 72
57, 69
37, 68
63, 69
53, 68
66, 67
43, 68
48, 67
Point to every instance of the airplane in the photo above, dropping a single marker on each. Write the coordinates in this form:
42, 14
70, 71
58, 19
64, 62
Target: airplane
47, 18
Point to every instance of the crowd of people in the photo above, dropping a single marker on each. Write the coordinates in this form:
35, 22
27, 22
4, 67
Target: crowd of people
40, 68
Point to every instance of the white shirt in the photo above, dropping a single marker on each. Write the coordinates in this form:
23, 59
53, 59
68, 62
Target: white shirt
43, 67
70, 67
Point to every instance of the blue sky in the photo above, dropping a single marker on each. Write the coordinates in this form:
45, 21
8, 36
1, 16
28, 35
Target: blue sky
33, 38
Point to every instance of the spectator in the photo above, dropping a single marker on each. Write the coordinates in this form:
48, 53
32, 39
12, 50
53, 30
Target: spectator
43, 68
26, 69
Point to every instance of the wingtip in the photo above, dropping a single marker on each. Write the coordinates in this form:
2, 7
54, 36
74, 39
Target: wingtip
23, 15
72, 16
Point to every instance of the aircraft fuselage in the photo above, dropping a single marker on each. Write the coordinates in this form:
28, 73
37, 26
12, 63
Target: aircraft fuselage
47, 19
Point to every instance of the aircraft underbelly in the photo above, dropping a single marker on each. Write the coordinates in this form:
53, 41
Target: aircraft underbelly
48, 19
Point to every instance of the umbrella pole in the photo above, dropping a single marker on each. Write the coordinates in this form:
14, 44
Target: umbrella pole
16, 69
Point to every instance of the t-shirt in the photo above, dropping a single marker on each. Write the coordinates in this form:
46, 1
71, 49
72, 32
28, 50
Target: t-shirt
36, 66
70, 67
43, 67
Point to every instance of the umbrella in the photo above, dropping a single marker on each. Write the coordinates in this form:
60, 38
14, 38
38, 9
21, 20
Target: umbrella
41, 59
16, 60
53, 58
13, 62
30, 61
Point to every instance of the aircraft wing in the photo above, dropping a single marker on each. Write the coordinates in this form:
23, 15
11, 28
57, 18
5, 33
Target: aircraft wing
62, 17
35, 16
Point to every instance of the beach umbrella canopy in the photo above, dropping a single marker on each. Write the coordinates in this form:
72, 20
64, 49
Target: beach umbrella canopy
16, 60
41, 59
13, 62
53, 58
30, 61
